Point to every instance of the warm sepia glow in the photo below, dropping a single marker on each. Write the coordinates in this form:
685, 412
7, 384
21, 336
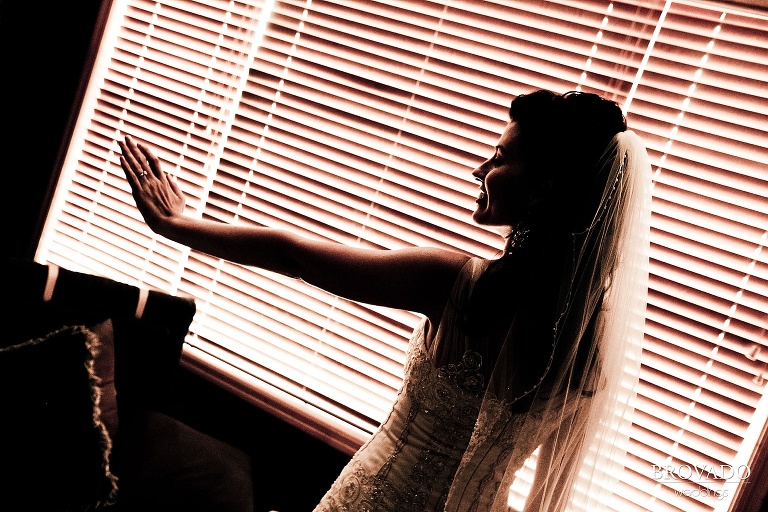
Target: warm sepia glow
360, 122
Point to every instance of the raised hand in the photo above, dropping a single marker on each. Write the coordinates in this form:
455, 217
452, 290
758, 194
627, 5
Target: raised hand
158, 198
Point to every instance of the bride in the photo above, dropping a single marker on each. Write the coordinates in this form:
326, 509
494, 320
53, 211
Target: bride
529, 356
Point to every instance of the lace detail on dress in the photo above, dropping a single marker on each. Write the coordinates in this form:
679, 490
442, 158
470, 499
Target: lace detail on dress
505, 440
466, 374
408, 465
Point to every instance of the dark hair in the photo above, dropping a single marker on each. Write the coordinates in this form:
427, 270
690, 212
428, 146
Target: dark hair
563, 137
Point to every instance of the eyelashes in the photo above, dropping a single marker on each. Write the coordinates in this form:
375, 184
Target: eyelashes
498, 157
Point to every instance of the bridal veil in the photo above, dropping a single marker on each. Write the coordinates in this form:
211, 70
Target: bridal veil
577, 413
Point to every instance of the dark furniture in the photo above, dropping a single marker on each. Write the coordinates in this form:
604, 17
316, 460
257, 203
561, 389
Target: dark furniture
87, 389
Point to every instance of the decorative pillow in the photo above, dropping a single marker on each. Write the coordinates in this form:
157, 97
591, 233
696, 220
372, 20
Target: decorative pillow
53, 446
104, 368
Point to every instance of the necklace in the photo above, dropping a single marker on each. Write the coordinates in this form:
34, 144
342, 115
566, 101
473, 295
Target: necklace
516, 239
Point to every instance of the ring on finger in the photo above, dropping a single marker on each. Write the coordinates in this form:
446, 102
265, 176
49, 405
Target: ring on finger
143, 173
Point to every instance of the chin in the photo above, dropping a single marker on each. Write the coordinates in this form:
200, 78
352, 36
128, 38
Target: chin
479, 219
484, 217
502, 229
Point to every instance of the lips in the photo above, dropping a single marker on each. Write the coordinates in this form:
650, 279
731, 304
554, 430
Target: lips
482, 194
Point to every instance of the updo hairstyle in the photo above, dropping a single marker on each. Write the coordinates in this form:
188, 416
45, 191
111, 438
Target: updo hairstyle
563, 138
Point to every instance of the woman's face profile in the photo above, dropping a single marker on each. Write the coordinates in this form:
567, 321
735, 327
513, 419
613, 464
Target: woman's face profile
505, 188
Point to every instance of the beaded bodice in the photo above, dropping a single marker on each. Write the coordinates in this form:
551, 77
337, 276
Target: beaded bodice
409, 463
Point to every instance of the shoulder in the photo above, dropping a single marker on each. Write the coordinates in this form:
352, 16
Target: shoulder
453, 283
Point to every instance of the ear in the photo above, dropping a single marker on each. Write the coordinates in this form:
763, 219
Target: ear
541, 190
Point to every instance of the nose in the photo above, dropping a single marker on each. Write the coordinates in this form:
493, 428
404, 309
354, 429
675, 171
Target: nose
480, 171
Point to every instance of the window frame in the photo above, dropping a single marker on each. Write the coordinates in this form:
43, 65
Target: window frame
268, 404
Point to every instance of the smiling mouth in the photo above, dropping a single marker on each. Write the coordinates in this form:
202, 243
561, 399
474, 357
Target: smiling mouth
482, 195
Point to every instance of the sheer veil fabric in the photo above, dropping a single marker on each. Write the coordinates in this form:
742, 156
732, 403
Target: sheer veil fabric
578, 408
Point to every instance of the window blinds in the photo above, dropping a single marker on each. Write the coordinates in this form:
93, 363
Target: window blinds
360, 122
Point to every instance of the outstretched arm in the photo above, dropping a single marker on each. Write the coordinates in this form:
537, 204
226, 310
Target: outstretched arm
415, 279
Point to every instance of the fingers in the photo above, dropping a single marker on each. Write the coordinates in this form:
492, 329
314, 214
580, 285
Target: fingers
138, 162
132, 162
150, 158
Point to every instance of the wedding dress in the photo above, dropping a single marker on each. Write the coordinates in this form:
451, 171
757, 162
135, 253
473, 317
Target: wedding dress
470, 412
410, 462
